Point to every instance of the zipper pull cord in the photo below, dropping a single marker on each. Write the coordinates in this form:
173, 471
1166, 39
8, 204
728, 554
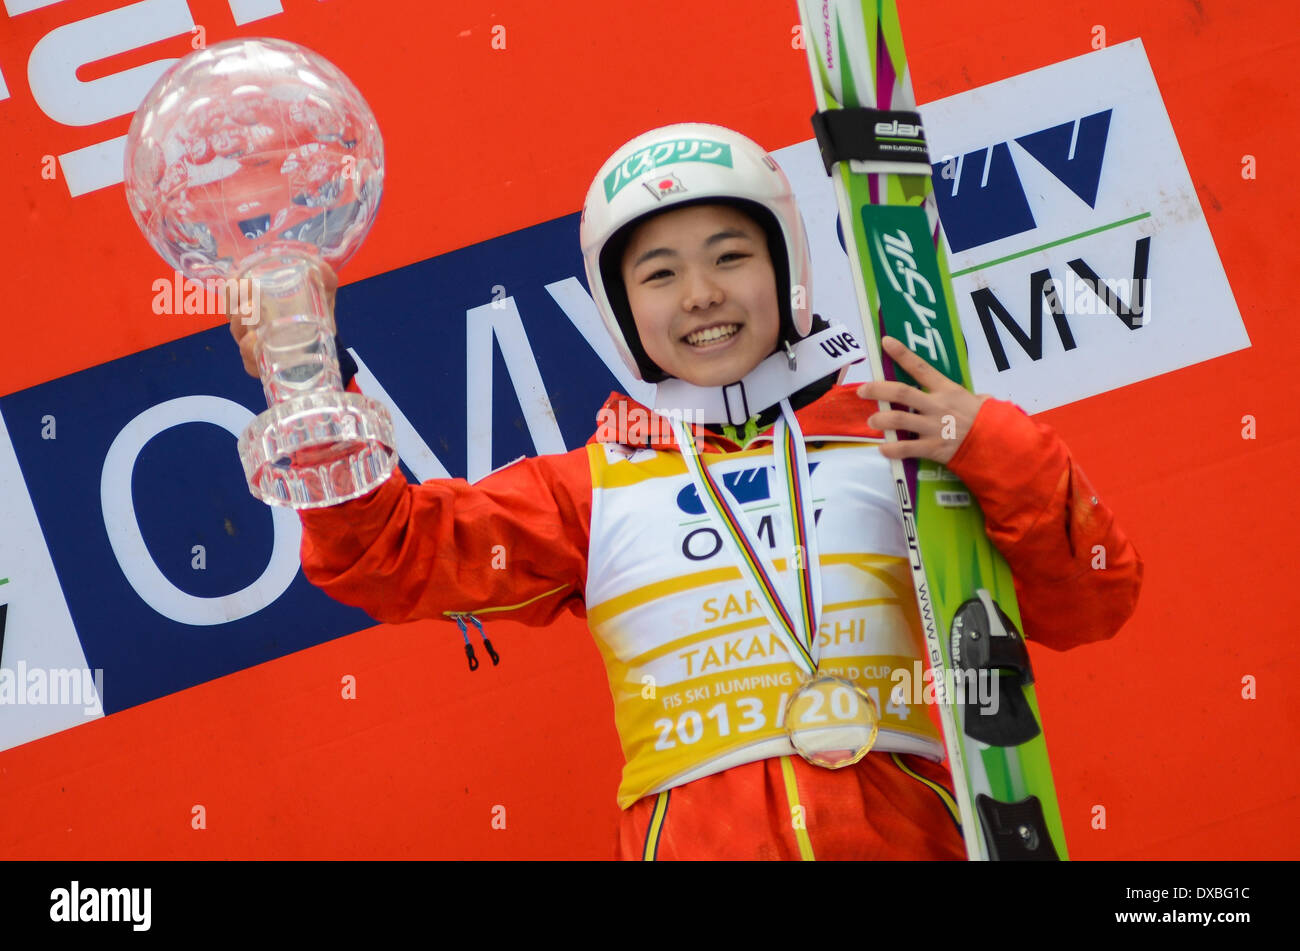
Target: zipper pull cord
486, 643
469, 648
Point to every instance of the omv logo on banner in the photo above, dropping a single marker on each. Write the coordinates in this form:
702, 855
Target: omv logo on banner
124, 497
981, 197
1080, 257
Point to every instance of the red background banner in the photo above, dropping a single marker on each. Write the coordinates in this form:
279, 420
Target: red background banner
1152, 726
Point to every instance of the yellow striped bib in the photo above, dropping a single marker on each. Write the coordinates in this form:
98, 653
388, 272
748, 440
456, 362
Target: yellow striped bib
699, 678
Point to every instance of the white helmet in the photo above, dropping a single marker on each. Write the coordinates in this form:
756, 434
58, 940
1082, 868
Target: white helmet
676, 165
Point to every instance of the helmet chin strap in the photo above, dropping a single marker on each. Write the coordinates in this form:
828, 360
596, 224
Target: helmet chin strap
785, 372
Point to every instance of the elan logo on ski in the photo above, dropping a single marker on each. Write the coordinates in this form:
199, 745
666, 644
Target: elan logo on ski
899, 130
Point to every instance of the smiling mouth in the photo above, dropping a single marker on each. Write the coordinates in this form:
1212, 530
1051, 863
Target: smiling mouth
712, 335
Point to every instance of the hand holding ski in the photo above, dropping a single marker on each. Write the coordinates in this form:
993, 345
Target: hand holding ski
940, 415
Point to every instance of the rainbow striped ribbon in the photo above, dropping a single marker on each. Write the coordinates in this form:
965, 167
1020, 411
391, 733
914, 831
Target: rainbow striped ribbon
793, 615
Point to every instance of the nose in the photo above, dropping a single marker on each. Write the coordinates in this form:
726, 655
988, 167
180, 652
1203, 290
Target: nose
701, 291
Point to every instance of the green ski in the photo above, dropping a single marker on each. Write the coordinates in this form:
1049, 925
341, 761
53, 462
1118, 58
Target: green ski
874, 148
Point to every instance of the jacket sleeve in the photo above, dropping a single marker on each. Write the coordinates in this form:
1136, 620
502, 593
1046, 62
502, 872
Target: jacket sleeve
513, 543
1047, 520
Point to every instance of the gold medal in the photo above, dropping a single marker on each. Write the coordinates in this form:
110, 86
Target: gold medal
831, 722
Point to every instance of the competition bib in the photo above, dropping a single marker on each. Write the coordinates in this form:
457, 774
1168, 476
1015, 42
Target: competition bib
792, 602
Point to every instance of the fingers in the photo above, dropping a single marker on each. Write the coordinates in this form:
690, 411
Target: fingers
941, 405
894, 391
900, 394
248, 353
904, 421
247, 342
916, 367
916, 448
924, 374
240, 324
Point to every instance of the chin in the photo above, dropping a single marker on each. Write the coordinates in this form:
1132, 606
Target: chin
713, 376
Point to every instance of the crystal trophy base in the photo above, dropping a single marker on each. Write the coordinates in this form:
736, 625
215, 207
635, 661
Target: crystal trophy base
318, 449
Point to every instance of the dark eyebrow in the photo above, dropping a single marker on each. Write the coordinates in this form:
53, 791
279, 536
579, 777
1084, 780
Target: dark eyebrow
729, 233
656, 253
712, 240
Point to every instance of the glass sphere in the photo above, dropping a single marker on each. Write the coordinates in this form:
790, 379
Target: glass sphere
253, 145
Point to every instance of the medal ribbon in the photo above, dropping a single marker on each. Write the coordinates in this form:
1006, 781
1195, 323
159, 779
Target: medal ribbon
793, 615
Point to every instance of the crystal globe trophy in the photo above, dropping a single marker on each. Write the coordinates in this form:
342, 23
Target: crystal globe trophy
255, 165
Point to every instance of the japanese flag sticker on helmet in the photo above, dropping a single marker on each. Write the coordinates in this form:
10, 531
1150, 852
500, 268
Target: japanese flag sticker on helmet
690, 163
665, 185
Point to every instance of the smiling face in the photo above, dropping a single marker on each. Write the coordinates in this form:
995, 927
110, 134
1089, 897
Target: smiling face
702, 291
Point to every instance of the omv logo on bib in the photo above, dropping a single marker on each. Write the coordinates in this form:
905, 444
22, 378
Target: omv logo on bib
981, 198
745, 486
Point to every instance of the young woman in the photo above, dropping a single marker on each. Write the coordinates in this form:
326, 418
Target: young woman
738, 546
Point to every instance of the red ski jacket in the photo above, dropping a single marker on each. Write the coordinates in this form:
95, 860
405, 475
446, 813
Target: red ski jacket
406, 552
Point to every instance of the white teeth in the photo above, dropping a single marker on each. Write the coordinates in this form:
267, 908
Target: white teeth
712, 334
